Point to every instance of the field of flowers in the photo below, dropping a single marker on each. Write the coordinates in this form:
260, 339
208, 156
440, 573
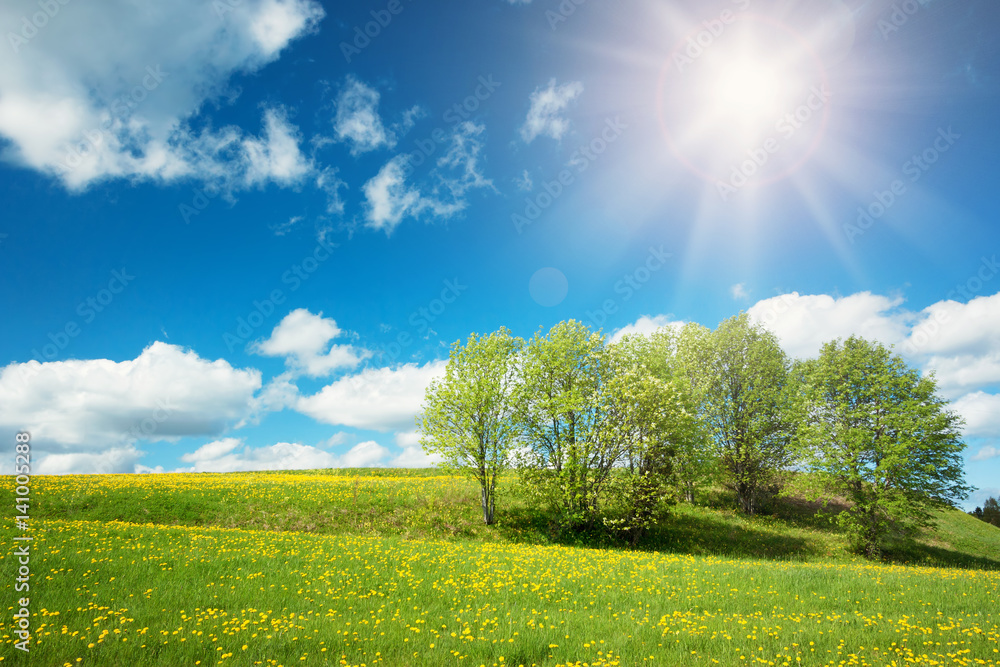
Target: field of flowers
111, 592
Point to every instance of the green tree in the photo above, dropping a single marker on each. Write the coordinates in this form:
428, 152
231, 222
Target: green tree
741, 377
648, 419
991, 512
467, 415
564, 459
697, 464
877, 433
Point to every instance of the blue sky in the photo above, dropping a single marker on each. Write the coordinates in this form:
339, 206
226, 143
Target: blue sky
243, 235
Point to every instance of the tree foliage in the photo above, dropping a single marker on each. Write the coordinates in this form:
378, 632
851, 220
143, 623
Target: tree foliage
876, 432
989, 512
467, 416
565, 459
741, 377
651, 417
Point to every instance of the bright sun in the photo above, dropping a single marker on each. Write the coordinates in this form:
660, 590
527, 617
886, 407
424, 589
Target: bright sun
729, 94
745, 91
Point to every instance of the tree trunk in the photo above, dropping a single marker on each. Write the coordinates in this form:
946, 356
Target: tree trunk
488, 506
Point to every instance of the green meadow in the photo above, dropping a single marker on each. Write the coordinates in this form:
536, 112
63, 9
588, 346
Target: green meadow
394, 567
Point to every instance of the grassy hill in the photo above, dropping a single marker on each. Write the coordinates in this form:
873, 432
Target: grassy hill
394, 568
424, 504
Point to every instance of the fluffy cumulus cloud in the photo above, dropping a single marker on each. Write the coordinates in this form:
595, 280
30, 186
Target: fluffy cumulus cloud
87, 415
981, 412
232, 455
84, 108
413, 455
545, 116
644, 326
165, 392
960, 342
391, 197
115, 460
381, 399
275, 157
804, 322
304, 339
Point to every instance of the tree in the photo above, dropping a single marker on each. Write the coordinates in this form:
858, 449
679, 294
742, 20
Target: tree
991, 512
467, 415
648, 419
564, 460
697, 463
877, 433
741, 377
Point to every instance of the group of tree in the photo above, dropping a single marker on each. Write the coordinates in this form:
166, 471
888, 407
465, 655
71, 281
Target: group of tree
611, 434
988, 512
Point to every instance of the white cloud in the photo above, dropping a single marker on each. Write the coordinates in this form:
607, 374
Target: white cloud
547, 105
408, 439
364, 455
414, 457
329, 182
524, 182
458, 169
803, 323
986, 453
304, 340
981, 412
283, 228
644, 326
111, 461
85, 104
960, 374
276, 157
390, 198
231, 455
357, 121
949, 327
380, 399
80, 407
739, 292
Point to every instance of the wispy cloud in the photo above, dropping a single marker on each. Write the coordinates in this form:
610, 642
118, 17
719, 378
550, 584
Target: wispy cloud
547, 106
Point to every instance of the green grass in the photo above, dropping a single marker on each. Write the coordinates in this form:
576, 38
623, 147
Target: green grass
423, 504
300, 559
